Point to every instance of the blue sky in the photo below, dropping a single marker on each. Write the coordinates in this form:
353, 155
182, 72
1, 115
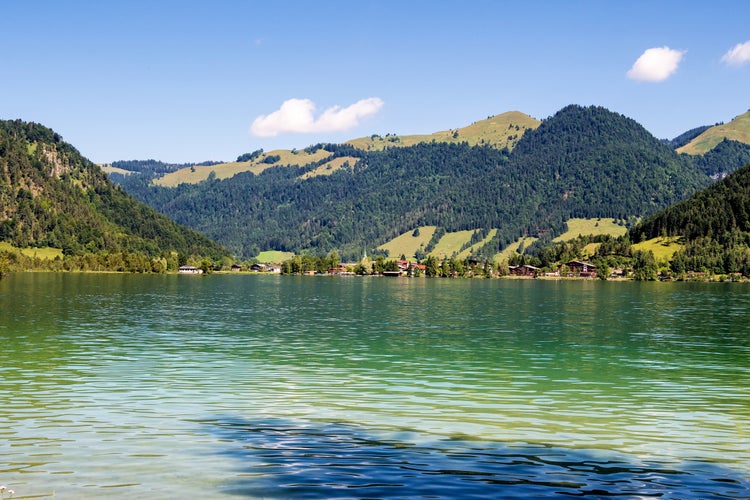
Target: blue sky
189, 81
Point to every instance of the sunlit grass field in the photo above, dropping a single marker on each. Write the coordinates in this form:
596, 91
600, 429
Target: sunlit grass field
663, 248
273, 256
406, 244
499, 131
578, 227
737, 130
42, 253
198, 173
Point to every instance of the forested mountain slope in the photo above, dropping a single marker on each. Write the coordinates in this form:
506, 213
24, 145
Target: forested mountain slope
714, 226
591, 162
51, 196
716, 211
581, 162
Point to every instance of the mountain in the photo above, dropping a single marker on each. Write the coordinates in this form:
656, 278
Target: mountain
714, 225
736, 130
51, 196
581, 162
499, 131
592, 162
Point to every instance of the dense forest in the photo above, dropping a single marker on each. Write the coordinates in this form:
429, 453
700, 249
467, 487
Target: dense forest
714, 225
581, 162
50, 196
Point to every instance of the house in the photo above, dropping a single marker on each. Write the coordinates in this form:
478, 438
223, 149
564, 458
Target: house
405, 265
258, 268
236, 268
524, 270
189, 270
581, 268
340, 269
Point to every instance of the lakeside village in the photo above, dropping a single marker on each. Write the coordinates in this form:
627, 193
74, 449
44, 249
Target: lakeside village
450, 268
306, 265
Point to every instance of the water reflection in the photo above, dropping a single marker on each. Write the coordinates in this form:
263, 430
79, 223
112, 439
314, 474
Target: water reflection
286, 459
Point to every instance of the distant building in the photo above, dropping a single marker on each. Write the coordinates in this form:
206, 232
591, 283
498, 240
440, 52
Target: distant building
189, 270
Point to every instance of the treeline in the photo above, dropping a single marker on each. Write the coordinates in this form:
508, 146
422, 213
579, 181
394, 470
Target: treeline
581, 162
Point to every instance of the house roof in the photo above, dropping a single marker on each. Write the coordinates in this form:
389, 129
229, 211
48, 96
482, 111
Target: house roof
581, 263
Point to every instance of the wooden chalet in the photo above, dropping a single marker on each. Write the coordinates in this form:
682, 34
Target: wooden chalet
581, 268
524, 270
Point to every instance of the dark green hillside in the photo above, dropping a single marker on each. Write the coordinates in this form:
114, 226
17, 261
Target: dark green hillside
50, 196
354, 208
594, 162
724, 158
581, 162
714, 224
713, 212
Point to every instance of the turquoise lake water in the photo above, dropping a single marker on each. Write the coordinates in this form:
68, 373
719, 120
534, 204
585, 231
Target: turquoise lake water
241, 386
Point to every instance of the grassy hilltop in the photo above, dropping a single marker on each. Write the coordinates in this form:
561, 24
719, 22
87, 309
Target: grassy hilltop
736, 130
499, 131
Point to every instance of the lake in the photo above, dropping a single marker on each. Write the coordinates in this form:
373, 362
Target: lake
242, 386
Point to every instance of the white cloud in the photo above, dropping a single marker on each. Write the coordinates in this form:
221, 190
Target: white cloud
297, 116
656, 64
738, 55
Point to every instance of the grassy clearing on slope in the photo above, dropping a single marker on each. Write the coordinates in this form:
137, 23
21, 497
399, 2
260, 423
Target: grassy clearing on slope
273, 256
737, 130
578, 227
663, 248
109, 169
451, 243
198, 173
330, 167
512, 249
46, 253
407, 244
500, 131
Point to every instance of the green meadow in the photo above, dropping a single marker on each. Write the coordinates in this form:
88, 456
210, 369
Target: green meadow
664, 248
41, 253
582, 227
273, 256
407, 244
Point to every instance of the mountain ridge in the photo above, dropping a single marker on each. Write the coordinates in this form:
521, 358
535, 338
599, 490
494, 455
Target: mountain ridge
580, 162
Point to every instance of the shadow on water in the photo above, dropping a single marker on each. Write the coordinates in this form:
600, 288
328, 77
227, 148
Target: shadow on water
288, 459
